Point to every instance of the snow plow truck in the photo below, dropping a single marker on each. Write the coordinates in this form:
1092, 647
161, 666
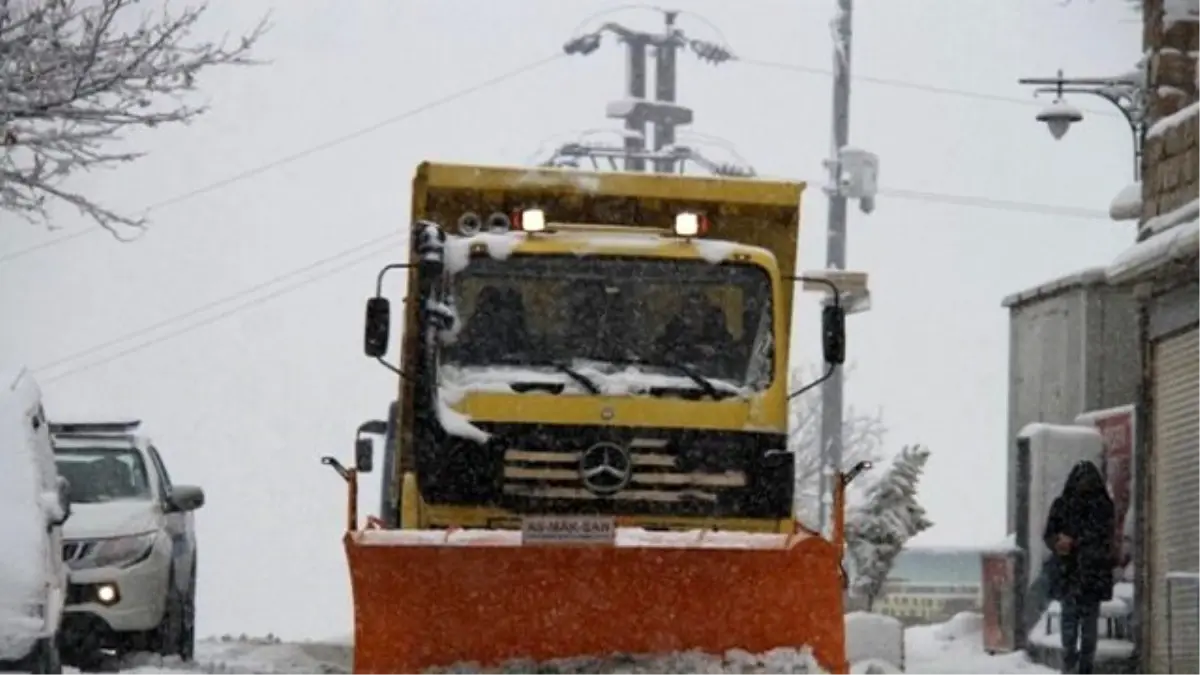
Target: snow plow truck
588, 452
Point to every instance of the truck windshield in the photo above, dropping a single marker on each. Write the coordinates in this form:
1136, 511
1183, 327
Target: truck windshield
99, 474
685, 320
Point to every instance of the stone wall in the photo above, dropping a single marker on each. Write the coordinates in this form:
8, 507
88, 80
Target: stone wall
1171, 155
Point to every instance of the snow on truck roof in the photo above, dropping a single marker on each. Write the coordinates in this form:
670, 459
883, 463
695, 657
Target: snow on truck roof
501, 245
635, 186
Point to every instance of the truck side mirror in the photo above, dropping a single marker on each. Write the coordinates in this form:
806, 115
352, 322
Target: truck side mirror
833, 334
377, 326
364, 455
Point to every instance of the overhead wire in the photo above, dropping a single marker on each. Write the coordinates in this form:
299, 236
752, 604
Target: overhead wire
348, 261
907, 84
915, 195
300, 154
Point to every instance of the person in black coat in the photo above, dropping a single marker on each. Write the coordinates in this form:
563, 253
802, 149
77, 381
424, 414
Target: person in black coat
1080, 535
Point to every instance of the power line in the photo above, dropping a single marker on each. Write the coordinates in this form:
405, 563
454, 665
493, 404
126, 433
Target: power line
371, 243
301, 154
249, 173
906, 84
188, 328
912, 195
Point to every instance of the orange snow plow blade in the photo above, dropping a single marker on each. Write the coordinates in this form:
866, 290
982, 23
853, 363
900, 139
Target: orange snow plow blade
424, 599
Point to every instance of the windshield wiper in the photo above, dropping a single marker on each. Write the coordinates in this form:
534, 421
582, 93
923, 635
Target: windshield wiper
691, 373
583, 380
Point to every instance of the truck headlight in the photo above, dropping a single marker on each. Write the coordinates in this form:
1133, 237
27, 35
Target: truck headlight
118, 551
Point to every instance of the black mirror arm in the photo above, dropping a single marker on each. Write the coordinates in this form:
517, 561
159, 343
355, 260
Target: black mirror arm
383, 273
829, 368
837, 293
383, 362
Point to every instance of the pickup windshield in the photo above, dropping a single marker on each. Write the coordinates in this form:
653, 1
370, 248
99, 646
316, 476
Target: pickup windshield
98, 474
686, 322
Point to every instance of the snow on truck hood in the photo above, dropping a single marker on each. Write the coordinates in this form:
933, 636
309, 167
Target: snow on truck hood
118, 518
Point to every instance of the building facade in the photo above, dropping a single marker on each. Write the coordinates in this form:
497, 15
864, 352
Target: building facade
931, 585
1160, 271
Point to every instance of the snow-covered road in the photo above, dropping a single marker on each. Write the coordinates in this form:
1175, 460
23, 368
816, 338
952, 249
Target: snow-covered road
953, 647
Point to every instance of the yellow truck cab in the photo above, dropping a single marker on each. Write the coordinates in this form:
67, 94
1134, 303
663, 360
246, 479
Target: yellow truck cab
592, 344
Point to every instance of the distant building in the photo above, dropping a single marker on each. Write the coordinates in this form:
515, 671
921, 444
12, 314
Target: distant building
930, 585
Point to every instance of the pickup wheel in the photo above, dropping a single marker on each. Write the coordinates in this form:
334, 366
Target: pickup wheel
166, 639
187, 636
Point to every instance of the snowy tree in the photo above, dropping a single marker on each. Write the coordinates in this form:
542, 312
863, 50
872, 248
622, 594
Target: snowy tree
889, 516
75, 76
862, 439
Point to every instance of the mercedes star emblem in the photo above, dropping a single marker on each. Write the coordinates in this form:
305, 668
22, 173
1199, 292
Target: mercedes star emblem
605, 468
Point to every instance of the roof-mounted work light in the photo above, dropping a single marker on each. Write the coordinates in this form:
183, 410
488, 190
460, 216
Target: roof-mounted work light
690, 225
532, 220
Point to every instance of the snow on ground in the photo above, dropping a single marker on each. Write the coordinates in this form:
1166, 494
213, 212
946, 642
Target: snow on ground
954, 647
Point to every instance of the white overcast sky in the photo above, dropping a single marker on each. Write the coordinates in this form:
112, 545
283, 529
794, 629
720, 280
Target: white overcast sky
246, 404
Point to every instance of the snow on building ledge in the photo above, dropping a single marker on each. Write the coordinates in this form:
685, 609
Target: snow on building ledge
1173, 120
1180, 11
1146, 257
1092, 276
1127, 205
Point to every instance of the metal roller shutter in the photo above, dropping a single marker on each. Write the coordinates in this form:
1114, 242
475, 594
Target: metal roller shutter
1175, 496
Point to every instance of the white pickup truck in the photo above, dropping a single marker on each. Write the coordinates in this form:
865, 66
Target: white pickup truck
130, 545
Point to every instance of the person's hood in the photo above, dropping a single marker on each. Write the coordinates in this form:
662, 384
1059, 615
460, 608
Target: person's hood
117, 518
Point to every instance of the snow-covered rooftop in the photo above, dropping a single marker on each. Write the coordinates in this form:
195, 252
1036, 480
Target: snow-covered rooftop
1092, 276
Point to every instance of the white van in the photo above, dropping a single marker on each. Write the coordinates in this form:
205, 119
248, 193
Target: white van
35, 503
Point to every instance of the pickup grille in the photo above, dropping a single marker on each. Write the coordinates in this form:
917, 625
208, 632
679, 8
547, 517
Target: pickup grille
76, 550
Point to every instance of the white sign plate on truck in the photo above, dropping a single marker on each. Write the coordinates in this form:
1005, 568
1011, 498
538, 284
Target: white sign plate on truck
568, 530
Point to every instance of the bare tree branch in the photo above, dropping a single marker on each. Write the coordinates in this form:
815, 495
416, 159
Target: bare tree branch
862, 439
72, 83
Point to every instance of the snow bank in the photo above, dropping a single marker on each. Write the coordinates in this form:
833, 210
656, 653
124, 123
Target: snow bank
1114, 613
964, 625
874, 639
783, 660
22, 540
625, 536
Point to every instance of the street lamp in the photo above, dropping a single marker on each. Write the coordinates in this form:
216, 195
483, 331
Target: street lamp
1124, 92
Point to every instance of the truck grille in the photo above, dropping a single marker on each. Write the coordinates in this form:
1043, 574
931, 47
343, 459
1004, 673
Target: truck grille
551, 468
654, 475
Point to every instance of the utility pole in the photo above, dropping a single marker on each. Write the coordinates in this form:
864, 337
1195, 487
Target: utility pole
662, 114
853, 174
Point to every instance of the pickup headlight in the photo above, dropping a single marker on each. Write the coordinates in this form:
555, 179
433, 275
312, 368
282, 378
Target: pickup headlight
117, 552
